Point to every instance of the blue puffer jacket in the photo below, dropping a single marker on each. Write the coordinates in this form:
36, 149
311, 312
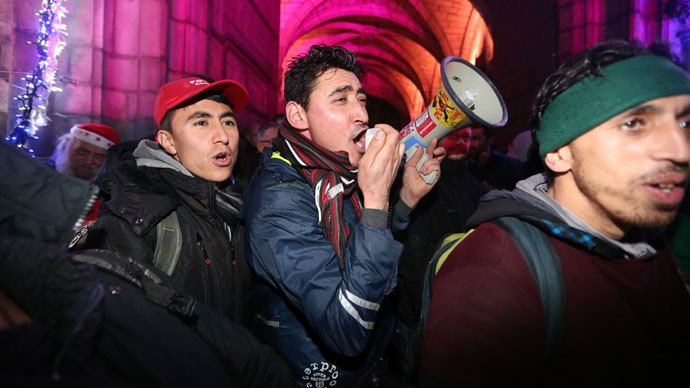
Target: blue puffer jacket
330, 325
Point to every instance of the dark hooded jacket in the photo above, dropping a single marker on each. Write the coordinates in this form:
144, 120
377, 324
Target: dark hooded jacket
626, 317
330, 324
99, 319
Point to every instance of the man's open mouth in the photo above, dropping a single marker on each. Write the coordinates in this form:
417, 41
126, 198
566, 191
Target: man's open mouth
667, 183
666, 187
359, 141
222, 159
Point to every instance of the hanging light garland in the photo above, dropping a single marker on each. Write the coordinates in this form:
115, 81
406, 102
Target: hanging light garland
33, 102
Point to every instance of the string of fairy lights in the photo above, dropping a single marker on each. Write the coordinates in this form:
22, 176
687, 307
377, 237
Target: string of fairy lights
33, 102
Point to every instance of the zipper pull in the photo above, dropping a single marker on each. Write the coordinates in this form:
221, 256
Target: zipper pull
200, 244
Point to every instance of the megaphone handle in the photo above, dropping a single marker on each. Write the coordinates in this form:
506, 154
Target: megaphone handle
430, 177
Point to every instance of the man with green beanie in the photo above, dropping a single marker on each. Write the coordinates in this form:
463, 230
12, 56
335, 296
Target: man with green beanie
567, 280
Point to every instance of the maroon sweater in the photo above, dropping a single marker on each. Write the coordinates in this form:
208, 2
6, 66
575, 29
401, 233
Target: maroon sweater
627, 322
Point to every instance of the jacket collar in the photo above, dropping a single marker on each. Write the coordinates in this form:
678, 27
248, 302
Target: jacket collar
530, 202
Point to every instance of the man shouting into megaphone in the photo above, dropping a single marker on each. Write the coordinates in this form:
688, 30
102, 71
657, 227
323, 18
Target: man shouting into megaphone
319, 223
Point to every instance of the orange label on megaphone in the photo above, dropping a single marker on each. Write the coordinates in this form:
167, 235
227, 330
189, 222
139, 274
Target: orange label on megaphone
443, 109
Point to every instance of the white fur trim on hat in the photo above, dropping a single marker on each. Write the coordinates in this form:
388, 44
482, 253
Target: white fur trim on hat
91, 137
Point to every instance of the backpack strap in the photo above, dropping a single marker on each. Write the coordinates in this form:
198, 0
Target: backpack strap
543, 262
155, 286
168, 244
447, 246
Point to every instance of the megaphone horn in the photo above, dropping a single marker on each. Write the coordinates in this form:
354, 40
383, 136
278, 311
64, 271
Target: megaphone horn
465, 98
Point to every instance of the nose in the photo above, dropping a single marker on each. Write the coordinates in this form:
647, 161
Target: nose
359, 113
674, 145
220, 134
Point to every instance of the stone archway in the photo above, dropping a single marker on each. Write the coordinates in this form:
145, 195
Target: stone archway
400, 43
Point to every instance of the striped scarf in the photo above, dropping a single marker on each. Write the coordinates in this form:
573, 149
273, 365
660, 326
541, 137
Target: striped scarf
331, 177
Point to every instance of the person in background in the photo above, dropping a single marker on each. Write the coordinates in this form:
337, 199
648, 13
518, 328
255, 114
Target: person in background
492, 169
81, 151
519, 147
266, 134
247, 159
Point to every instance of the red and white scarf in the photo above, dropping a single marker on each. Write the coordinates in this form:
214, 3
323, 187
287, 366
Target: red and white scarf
332, 179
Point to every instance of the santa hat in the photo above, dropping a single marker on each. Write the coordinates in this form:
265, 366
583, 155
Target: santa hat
97, 134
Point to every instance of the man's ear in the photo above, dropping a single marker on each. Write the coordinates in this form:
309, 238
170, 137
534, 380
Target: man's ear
559, 160
296, 116
166, 140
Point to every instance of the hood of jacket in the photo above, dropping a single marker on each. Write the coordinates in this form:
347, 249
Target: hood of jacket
151, 154
152, 184
531, 203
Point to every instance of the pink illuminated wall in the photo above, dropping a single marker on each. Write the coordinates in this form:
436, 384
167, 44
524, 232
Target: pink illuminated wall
120, 51
401, 43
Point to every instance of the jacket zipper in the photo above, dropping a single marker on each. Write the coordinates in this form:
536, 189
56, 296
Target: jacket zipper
207, 262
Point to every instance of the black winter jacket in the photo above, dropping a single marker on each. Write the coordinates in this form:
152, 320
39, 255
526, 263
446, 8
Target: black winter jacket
211, 265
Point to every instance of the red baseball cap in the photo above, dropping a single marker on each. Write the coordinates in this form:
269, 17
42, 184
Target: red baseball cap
177, 92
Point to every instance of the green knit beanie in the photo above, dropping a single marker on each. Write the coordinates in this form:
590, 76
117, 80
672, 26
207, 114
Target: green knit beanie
595, 99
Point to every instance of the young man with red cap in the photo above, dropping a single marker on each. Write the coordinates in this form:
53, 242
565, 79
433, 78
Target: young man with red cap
173, 206
81, 152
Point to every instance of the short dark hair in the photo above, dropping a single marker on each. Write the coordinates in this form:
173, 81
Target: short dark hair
166, 123
305, 69
278, 117
587, 62
265, 127
487, 131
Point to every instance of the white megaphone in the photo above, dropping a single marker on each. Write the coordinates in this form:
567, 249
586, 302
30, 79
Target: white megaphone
465, 98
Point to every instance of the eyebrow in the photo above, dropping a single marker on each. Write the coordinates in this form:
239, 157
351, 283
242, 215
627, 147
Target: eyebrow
228, 114
346, 88
684, 112
642, 109
201, 114
647, 109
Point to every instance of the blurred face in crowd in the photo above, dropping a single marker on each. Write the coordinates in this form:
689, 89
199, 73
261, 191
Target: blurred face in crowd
250, 136
204, 138
336, 118
81, 160
457, 144
478, 143
264, 138
628, 172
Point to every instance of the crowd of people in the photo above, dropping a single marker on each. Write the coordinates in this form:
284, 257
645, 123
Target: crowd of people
293, 255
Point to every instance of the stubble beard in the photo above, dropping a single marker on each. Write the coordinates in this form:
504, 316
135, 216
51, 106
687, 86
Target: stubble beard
626, 207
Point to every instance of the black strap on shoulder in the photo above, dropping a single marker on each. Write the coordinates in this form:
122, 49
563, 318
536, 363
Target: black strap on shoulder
543, 261
138, 274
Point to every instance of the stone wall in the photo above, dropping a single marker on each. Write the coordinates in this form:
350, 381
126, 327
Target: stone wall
119, 52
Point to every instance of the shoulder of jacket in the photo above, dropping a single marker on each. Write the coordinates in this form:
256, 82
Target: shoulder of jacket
140, 208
